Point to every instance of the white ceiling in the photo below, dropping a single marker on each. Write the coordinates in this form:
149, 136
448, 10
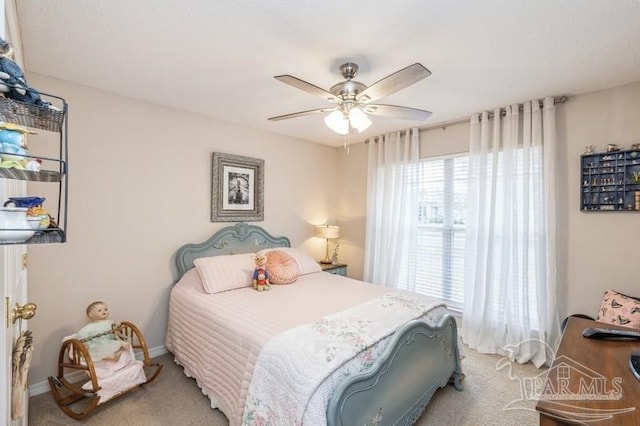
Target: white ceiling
218, 57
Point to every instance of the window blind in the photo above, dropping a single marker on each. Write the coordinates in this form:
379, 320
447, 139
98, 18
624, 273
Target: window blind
436, 264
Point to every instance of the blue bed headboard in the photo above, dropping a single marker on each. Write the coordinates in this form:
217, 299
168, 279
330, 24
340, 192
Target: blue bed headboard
239, 238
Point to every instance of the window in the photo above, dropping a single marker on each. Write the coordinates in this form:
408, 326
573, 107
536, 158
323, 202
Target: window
436, 268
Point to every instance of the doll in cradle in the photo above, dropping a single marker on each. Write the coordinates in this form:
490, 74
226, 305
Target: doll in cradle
100, 336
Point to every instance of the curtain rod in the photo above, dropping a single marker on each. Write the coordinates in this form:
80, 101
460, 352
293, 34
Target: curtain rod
556, 100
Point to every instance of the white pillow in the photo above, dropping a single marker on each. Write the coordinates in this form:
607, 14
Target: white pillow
226, 272
305, 263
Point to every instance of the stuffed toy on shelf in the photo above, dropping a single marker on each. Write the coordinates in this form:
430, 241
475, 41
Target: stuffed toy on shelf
13, 146
13, 83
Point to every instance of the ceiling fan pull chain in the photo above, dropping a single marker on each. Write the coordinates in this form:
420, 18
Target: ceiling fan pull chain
346, 140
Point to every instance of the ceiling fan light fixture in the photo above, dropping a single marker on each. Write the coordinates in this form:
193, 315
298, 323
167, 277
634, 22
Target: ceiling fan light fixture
359, 120
337, 122
351, 98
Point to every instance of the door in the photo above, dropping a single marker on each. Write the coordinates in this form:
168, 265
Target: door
13, 281
15, 292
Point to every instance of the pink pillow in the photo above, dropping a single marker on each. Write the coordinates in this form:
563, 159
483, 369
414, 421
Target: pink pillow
225, 272
619, 309
305, 263
282, 268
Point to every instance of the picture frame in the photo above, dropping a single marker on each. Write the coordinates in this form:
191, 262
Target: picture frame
237, 188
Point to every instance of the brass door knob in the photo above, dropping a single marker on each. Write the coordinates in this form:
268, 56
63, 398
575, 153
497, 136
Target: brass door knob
26, 311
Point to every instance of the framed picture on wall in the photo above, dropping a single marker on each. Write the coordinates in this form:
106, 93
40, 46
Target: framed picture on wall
237, 188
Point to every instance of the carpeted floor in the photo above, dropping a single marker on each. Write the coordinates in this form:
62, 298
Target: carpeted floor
174, 399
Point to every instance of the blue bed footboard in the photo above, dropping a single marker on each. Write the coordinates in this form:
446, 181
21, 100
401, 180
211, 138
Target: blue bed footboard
418, 360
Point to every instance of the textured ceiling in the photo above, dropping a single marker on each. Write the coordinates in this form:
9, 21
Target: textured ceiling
218, 58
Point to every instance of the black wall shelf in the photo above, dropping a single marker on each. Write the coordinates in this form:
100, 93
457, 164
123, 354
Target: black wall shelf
53, 170
609, 181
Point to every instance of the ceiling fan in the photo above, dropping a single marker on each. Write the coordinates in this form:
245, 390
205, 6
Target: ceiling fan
353, 99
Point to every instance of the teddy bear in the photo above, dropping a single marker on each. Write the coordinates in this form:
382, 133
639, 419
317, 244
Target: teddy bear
261, 276
13, 82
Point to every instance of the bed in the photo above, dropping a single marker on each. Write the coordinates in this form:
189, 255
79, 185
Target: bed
325, 349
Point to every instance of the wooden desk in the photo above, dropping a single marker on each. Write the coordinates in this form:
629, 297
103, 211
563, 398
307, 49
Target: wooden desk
586, 371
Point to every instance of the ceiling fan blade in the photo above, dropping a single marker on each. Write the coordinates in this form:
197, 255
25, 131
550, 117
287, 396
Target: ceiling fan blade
307, 87
395, 111
301, 114
394, 82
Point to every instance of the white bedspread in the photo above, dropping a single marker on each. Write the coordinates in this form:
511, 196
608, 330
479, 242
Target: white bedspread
217, 338
294, 364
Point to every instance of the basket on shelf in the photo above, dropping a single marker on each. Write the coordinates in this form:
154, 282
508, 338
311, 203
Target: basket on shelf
30, 115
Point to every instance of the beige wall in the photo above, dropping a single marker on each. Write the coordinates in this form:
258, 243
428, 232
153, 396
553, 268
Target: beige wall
602, 247
351, 191
596, 250
139, 187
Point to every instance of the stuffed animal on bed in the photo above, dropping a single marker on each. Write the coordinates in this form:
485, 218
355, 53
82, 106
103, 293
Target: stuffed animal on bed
13, 82
260, 274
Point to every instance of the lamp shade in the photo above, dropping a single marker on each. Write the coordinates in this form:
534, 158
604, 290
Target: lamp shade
340, 122
337, 122
328, 231
359, 119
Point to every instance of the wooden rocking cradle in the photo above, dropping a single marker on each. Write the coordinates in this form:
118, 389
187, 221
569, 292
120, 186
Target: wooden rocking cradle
77, 396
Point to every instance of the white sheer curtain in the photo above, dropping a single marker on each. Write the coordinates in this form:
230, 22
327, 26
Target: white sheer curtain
510, 254
391, 205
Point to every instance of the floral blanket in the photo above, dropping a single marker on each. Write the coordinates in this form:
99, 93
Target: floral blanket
298, 369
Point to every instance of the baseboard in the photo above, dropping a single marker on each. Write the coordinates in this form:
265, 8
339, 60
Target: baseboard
157, 351
43, 387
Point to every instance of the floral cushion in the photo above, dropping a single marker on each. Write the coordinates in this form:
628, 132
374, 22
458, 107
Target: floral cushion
619, 309
282, 268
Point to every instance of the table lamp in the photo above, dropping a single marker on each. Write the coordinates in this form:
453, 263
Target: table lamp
327, 232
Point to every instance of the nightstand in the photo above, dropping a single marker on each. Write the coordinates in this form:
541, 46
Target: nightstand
335, 268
